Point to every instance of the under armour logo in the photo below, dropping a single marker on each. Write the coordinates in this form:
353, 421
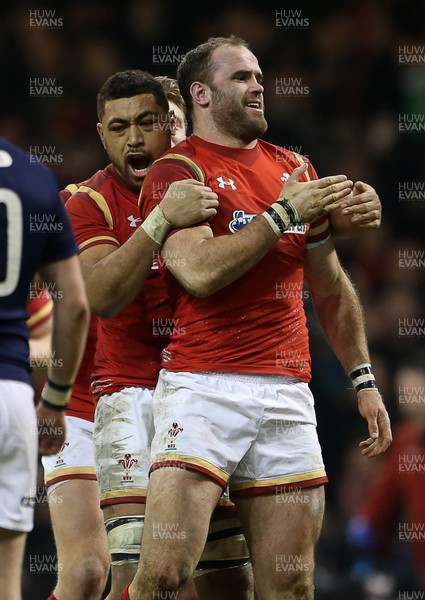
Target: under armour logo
222, 184
285, 177
133, 220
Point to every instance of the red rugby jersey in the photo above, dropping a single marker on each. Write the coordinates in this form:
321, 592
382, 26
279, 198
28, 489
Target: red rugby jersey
257, 324
104, 210
40, 309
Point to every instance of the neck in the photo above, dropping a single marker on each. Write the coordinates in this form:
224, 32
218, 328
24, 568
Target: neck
210, 133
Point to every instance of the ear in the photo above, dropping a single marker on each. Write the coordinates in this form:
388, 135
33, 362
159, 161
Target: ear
99, 128
201, 93
173, 122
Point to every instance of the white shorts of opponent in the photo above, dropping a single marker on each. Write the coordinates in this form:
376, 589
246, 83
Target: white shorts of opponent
18, 455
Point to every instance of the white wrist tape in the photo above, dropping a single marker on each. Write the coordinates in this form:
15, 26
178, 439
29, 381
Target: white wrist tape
362, 377
156, 225
56, 396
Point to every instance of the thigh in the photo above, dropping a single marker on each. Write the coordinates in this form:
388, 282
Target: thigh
178, 512
12, 546
281, 536
18, 455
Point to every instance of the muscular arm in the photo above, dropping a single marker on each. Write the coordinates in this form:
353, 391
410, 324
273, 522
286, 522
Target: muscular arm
204, 264
114, 276
70, 319
340, 314
337, 306
70, 325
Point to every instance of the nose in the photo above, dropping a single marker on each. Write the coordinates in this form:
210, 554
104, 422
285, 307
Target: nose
255, 86
135, 136
259, 87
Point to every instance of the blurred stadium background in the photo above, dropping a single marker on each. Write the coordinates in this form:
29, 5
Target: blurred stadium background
345, 85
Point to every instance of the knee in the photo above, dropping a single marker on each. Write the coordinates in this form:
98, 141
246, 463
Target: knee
300, 585
168, 577
90, 574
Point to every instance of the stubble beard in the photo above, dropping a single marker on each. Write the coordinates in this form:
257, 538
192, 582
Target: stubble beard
231, 119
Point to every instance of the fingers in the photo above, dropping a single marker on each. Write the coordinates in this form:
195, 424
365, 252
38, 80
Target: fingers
360, 187
325, 182
332, 196
49, 445
297, 173
380, 436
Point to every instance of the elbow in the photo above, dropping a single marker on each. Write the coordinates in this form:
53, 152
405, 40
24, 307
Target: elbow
104, 311
79, 312
199, 287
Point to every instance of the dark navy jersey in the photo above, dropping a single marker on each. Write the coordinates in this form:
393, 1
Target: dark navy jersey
34, 230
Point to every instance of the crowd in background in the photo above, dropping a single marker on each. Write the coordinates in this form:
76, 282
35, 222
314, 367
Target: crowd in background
342, 88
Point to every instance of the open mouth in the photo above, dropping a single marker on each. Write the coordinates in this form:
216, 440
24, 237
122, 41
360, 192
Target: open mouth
139, 164
255, 106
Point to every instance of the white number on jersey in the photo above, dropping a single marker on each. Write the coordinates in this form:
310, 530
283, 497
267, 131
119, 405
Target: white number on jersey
14, 226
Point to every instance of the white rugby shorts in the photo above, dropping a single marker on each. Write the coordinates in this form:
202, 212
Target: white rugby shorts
18, 455
123, 433
75, 460
254, 433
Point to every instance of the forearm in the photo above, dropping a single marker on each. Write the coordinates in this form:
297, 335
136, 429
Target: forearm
342, 226
115, 280
341, 317
210, 265
70, 326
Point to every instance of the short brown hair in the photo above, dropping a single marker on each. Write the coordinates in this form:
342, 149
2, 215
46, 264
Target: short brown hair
196, 64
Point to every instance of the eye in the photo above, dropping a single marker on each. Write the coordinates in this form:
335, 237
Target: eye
117, 128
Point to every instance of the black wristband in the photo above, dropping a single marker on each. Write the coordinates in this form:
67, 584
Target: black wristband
59, 388
370, 384
363, 378
277, 219
293, 217
55, 407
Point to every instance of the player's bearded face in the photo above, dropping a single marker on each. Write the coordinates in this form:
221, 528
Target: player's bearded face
231, 115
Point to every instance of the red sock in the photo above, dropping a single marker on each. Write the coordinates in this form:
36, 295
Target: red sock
125, 595
52, 597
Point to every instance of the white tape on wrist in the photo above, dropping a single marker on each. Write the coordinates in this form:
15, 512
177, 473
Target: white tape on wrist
54, 397
156, 225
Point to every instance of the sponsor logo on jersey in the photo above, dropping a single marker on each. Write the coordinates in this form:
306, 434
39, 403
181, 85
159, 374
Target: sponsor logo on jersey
284, 177
133, 220
222, 183
240, 219
300, 229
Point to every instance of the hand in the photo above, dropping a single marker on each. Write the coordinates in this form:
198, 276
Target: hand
372, 408
51, 430
314, 198
364, 206
188, 202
